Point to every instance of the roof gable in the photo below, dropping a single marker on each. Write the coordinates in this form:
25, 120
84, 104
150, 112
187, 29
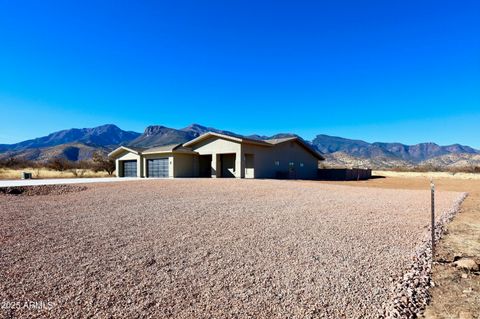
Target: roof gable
237, 139
172, 148
122, 149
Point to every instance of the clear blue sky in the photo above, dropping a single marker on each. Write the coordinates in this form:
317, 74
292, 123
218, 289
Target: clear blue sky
406, 71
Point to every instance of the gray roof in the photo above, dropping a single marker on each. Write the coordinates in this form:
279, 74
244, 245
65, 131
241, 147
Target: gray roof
163, 148
280, 140
135, 148
238, 139
177, 148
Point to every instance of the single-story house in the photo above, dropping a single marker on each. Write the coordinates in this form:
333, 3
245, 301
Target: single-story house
219, 155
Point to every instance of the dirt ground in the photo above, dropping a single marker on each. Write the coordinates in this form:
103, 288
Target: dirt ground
453, 296
209, 248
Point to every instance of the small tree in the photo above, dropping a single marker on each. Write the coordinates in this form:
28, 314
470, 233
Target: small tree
59, 164
103, 163
16, 163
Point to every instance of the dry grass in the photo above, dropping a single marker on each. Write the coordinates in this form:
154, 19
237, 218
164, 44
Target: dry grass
428, 174
8, 173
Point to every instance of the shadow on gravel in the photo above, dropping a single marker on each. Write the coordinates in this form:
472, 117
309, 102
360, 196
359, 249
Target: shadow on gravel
41, 190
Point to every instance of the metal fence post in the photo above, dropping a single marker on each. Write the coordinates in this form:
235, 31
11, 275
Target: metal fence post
432, 192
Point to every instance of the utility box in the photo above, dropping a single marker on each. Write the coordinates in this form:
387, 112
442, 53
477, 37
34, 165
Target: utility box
26, 175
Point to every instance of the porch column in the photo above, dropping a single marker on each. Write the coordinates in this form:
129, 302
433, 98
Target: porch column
144, 163
215, 165
117, 168
139, 166
239, 165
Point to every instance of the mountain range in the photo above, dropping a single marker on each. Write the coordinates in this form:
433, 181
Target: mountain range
80, 144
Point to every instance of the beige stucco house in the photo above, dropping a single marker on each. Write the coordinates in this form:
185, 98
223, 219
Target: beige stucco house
219, 155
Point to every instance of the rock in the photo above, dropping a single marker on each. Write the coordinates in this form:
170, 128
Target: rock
467, 264
464, 276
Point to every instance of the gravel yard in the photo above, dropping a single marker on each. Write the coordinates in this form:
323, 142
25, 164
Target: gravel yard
209, 248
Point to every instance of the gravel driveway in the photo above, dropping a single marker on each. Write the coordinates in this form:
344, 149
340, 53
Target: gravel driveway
208, 248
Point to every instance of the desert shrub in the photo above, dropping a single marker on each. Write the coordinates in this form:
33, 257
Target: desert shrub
59, 164
465, 169
432, 168
16, 163
103, 163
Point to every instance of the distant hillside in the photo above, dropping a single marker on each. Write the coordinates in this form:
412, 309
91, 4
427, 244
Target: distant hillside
73, 144
105, 135
279, 135
158, 135
69, 151
341, 160
454, 161
196, 130
413, 154
80, 144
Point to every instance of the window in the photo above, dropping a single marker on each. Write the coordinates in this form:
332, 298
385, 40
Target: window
291, 164
301, 164
277, 163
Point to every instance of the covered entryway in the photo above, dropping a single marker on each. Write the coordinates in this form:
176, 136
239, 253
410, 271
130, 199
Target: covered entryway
205, 166
227, 163
130, 168
157, 167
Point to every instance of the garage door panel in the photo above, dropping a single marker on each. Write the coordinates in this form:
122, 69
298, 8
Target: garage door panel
130, 168
158, 167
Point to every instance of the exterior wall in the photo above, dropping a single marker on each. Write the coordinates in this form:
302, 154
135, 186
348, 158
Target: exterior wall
249, 165
184, 165
305, 164
216, 146
265, 161
261, 159
127, 156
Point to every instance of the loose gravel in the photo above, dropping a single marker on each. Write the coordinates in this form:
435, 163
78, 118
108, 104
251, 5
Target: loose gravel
212, 248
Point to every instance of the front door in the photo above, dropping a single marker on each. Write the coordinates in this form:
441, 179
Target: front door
292, 174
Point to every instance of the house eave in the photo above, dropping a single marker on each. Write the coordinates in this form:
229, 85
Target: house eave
226, 137
122, 148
